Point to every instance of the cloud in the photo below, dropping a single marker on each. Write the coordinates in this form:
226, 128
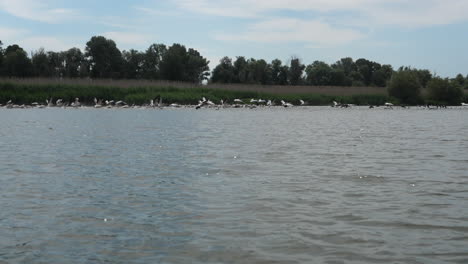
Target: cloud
49, 43
407, 13
312, 32
128, 38
8, 33
37, 11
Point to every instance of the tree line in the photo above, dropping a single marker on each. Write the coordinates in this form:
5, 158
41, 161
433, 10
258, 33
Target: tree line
102, 59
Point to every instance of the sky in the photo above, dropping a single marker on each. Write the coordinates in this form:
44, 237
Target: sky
426, 34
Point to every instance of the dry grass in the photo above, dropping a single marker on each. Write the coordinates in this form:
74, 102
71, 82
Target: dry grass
270, 89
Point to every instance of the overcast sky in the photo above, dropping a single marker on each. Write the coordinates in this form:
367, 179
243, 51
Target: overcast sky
430, 34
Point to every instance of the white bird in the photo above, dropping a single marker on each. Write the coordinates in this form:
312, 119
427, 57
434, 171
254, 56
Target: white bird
174, 105
335, 104
210, 103
261, 101
283, 103
76, 103
151, 103
238, 101
253, 101
9, 102
302, 102
388, 104
464, 104
269, 103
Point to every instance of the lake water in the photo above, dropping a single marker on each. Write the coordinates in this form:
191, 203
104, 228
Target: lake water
300, 185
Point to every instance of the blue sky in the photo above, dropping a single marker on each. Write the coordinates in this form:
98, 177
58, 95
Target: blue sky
428, 34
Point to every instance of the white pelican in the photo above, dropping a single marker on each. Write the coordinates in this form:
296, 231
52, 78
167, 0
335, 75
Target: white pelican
261, 101
302, 102
238, 101
76, 103
59, 102
151, 103
335, 104
464, 104
283, 103
269, 103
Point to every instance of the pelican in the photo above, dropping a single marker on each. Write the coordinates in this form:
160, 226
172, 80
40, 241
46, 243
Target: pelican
76, 103
389, 105
261, 101
302, 102
283, 103
335, 104
59, 102
238, 101
174, 105
253, 101
151, 103
50, 103
269, 103
464, 104
210, 103
120, 103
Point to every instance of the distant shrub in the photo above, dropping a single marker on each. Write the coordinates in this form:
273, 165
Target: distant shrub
445, 91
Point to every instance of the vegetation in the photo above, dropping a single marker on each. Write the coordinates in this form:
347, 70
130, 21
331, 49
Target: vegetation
27, 93
102, 60
405, 86
445, 91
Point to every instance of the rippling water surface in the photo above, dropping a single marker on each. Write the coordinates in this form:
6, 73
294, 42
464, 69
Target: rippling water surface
302, 185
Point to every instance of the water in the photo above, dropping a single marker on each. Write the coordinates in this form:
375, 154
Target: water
302, 185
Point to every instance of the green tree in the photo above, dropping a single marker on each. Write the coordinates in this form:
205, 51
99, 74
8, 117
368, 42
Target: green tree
56, 63
445, 91
347, 65
16, 62
241, 71
133, 64
279, 73
223, 72
405, 86
40, 63
152, 61
178, 64
296, 70
382, 75
73, 63
460, 80
196, 67
105, 59
319, 73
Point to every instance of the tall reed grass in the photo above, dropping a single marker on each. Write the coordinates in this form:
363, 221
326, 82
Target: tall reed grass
26, 91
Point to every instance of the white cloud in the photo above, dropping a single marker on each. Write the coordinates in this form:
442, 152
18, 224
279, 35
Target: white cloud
407, 13
129, 38
48, 43
7, 33
313, 32
37, 10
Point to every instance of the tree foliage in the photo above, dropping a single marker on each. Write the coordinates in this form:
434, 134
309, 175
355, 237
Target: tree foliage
445, 91
16, 62
105, 59
405, 86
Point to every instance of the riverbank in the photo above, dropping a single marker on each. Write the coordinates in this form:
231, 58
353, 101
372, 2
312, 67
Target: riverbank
29, 91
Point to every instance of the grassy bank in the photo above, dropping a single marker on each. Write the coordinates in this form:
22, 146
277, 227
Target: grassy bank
27, 92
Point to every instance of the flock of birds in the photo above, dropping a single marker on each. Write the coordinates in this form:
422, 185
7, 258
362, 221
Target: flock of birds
202, 103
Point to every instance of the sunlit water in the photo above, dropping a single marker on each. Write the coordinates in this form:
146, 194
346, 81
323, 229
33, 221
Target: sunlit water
302, 185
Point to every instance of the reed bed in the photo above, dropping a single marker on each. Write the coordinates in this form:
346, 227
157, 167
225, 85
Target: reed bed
26, 91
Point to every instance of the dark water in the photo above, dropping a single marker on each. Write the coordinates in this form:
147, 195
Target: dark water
303, 185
